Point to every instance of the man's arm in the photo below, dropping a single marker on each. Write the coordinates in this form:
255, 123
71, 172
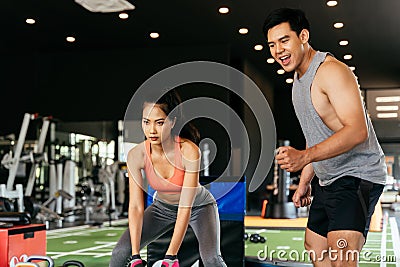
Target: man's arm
340, 86
302, 196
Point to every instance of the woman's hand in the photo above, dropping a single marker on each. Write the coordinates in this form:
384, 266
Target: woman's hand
170, 261
135, 261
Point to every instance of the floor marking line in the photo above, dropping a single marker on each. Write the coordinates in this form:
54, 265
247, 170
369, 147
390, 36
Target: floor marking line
84, 250
383, 246
80, 233
67, 229
90, 230
78, 254
395, 239
103, 255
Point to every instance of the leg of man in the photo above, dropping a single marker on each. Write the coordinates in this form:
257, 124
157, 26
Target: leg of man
350, 204
374, 195
206, 226
315, 241
344, 208
317, 247
345, 247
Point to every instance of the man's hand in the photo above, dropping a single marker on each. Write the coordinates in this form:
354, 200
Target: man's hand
291, 159
302, 196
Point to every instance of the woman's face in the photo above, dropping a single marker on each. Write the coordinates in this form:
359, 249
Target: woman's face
155, 123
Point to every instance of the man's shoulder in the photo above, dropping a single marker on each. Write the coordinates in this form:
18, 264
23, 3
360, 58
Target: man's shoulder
332, 62
331, 66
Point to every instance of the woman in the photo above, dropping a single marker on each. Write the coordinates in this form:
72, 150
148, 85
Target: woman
170, 159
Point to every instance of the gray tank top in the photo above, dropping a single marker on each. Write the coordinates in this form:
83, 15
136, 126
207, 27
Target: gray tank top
365, 161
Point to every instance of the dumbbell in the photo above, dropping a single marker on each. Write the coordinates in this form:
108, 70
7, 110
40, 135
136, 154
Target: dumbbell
256, 238
246, 236
73, 263
29, 262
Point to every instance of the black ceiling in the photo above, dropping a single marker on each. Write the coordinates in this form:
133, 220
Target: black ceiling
371, 26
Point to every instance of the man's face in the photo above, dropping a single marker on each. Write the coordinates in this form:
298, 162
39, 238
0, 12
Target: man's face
285, 46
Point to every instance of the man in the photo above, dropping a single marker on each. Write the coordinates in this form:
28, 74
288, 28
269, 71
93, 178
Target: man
342, 149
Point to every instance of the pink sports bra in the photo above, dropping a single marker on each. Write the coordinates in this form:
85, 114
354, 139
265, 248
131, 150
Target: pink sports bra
170, 185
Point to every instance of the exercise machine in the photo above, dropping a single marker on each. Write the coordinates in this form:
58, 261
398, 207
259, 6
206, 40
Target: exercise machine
14, 158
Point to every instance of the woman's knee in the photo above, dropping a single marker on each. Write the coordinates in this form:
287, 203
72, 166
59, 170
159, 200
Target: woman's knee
119, 255
121, 250
215, 261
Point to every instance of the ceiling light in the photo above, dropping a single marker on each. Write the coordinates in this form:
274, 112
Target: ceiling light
270, 60
289, 80
123, 16
343, 42
280, 71
30, 21
387, 99
258, 47
386, 115
331, 3
352, 68
338, 25
348, 56
154, 35
223, 10
387, 108
243, 30
70, 39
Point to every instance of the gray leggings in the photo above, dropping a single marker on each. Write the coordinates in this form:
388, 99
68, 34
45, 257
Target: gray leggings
159, 218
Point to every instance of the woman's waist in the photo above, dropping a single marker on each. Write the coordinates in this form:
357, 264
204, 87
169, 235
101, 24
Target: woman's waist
171, 198
202, 197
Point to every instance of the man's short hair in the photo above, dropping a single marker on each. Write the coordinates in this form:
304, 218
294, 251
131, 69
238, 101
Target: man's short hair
295, 17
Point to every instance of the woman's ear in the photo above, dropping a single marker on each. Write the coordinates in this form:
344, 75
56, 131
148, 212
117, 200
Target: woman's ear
304, 36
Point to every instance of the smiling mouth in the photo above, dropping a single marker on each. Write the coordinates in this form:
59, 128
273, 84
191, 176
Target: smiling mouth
285, 60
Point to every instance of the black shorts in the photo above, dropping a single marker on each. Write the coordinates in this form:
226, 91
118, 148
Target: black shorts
346, 204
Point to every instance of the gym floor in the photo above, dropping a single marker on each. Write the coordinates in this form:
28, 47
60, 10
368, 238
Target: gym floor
92, 245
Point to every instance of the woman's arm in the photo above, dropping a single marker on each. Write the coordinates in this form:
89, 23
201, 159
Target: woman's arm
136, 201
191, 162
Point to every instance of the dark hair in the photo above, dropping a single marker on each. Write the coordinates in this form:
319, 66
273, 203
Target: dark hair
296, 18
168, 102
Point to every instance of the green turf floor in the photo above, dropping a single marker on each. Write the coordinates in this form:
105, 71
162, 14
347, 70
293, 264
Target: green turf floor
287, 245
90, 245
93, 246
